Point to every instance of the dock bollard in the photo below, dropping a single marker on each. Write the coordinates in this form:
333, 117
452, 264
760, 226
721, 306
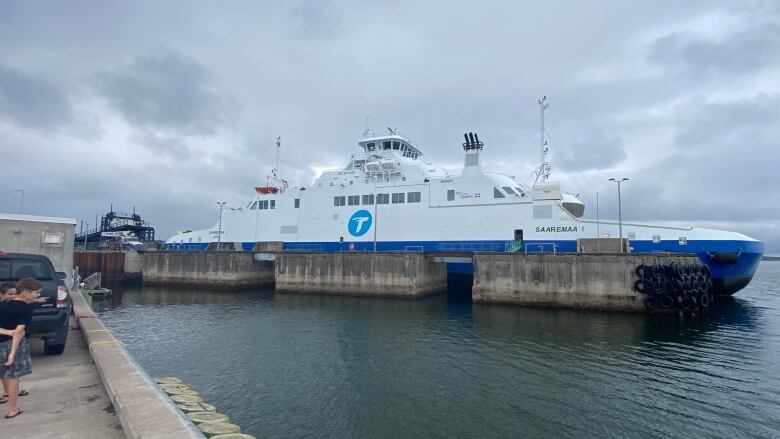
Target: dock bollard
168, 380
196, 407
186, 399
233, 436
211, 429
201, 417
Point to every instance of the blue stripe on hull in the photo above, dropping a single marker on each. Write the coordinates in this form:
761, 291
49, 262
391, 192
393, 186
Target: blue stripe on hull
738, 274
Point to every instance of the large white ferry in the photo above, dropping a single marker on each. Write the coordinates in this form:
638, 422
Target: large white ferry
386, 197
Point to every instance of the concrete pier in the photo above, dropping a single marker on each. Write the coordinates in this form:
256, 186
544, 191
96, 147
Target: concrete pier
143, 410
67, 400
585, 281
218, 270
407, 275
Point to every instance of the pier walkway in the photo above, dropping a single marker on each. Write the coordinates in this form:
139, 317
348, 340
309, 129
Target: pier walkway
67, 399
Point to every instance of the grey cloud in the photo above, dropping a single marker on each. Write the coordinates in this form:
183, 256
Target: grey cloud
593, 152
724, 168
166, 90
175, 147
32, 101
694, 57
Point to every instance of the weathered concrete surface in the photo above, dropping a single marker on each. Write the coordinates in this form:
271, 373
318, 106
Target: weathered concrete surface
360, 273
228, 270
40, 235
268, 246
602, 245
67, 399
143, 410
585, 281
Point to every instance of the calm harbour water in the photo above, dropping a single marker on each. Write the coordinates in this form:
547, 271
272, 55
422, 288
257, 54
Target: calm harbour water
292, 366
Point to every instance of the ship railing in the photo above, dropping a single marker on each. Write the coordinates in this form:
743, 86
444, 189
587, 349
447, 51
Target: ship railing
470, 247
541, 246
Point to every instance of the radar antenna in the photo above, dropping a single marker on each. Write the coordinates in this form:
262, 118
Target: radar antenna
543, 172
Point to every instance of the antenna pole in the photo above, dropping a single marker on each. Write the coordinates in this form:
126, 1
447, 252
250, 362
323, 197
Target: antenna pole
278, 156
366, 131
543, 166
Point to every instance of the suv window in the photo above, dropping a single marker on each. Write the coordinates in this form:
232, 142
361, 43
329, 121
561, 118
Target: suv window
15, 269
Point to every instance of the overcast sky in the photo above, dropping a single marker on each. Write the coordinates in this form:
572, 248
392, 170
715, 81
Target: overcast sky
171, 106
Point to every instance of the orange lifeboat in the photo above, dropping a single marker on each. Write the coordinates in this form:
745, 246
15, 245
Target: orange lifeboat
267, 189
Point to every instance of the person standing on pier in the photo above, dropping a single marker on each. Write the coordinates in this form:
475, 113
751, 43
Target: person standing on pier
15, 360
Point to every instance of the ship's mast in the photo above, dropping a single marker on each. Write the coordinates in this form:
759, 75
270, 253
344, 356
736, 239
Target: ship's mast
543, 172
278, 156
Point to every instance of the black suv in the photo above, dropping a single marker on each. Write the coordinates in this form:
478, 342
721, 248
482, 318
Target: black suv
49, 319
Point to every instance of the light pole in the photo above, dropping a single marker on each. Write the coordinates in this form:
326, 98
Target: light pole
620, 212
598, 229
219, 232
21, 199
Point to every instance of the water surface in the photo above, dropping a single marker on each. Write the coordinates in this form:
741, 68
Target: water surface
291, 366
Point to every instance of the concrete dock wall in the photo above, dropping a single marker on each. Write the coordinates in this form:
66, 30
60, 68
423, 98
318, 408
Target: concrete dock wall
224, 270
143, 410
114, 266
366, 274
585, 281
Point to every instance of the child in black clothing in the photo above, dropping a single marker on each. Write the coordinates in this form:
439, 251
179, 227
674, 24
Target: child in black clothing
14, 350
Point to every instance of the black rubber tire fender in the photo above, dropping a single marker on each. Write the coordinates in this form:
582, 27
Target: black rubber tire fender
651, 303
640, 286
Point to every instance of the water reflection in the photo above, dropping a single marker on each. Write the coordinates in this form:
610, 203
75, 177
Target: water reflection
292, 365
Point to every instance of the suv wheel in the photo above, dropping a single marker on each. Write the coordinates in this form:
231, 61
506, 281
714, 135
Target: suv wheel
53, 349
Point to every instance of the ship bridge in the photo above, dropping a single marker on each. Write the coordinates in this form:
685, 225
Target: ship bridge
390, 143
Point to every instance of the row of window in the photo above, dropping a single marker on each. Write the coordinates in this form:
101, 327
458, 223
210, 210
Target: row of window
496, 193
268, 204
262, 205
395, 198
406, 150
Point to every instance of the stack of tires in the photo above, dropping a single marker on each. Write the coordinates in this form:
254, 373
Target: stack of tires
686, 287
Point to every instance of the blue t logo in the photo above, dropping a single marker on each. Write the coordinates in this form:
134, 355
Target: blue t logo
359, 223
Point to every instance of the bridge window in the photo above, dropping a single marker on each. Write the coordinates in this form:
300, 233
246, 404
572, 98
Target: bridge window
273, 204
253, 205
353, 200
413, 197
451, 195
520, 191
339, 201
385, 145
509, 190
382, 198
398, 198
297, 203
656, 239
368, 199
497, 193
396, 145
371, 146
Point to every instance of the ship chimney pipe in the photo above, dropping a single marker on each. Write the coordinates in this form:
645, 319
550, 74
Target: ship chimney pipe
466, 136
471, 136
477, 139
